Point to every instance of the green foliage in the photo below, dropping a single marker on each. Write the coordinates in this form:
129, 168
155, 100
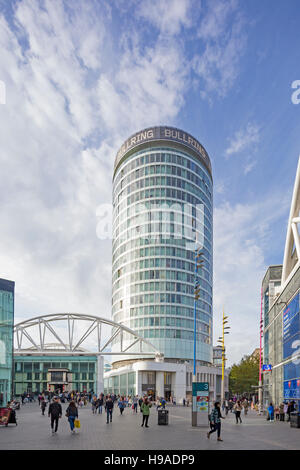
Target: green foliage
243, 375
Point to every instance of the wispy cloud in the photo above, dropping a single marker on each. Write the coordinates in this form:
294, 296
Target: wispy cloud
243, 234
222, 29
243, 139
249, 167
169, 16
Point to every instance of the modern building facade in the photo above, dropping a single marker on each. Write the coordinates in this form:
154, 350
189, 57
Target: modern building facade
55, 373
162, 212
7, 295
281, 309
162, 205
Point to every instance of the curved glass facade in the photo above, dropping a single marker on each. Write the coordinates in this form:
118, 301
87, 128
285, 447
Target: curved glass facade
162, 211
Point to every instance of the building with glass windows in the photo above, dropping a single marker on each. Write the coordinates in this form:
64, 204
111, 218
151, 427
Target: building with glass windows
281, 311
162, 212
55, 373
7, 294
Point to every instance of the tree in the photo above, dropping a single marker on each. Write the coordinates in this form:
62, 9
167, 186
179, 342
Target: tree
243, 375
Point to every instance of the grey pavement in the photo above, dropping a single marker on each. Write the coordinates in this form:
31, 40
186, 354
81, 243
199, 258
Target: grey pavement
125, 432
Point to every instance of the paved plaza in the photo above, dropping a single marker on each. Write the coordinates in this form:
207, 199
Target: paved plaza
125, 432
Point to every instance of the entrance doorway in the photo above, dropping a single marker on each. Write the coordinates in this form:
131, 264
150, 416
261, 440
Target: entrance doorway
58, 388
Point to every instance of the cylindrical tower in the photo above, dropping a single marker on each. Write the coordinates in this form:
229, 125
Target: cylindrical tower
162, 212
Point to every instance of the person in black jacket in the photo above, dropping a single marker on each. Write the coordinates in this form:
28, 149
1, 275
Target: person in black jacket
55, 412
72, 414
109, 406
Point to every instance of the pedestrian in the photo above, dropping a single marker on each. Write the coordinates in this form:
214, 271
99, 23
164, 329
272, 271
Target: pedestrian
135, 403
100, 403
140, 403
121, 405
226, 407
183, 402
291, 408
281, 411
277, 412
72, 414
246, 406
94, 404
145, 408
215, 420
285, 408
55, 412
237, 410
43, 405
271, 412
109, 406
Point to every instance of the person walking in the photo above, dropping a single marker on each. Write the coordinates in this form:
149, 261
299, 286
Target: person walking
140, 403
109, 406
271, 412
281, 411
94, 404
121, 405
43, 405
237, 409
277, 412
55, 413
145, 408
215, 421
100, 403
291, 408
72, 414
135, 403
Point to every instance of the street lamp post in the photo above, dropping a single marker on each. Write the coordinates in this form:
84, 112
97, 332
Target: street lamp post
222, 341
198, 264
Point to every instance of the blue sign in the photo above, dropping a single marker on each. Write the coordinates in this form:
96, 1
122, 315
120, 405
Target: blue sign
291, 327
291, 389
267, 367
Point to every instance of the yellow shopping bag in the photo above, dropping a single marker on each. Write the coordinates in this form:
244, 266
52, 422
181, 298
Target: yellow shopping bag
77, 423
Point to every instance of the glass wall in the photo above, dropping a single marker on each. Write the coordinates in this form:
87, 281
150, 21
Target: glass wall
6, 339
162, 200
123, 384
31, 372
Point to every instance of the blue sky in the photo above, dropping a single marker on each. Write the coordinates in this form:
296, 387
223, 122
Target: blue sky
82, 76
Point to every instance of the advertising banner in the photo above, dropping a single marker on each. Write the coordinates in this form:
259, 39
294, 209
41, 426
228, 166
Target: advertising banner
200, 408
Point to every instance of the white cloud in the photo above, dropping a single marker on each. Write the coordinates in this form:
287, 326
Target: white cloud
69, 106
168, 16
222, 28
243, 139
249, 167
243, 234
75, 89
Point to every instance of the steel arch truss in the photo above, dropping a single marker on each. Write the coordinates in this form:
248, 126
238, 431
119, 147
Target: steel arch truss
121, 341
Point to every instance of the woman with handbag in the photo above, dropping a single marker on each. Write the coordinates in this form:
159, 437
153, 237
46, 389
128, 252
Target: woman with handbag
72, 415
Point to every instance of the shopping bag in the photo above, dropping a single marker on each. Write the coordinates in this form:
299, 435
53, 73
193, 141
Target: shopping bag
77, 423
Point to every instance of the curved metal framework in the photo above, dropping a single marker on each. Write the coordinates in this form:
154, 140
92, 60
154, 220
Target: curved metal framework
130, 343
